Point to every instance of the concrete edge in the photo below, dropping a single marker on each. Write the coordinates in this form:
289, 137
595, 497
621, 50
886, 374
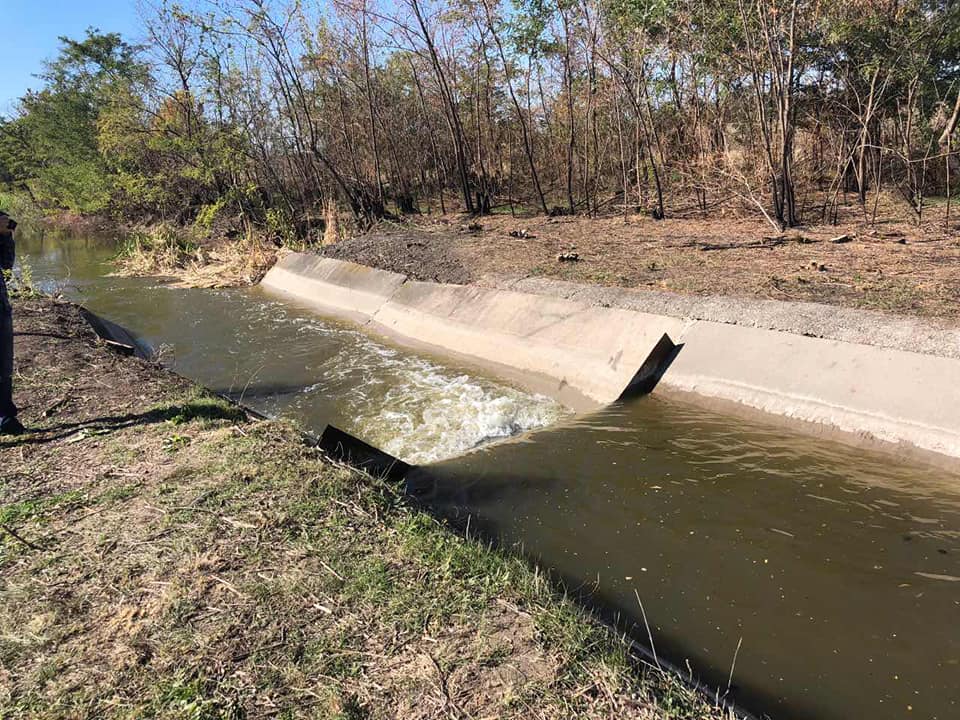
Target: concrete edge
352, 291
929, 336
859, 438
585, 355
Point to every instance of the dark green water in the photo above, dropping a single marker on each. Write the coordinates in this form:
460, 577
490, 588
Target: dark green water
835, 570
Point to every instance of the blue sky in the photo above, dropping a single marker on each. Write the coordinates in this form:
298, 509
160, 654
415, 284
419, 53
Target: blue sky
31, 29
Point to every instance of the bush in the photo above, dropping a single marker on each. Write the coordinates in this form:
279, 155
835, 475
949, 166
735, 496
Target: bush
162, 248
281, 226
21, 285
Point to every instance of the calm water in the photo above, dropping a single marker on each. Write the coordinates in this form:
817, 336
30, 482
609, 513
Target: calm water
835, 570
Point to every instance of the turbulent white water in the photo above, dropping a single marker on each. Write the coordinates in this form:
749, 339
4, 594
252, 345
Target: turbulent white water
413, 407
433, 416
420, 411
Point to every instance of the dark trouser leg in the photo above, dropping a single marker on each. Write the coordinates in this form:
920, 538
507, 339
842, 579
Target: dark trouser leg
7, 408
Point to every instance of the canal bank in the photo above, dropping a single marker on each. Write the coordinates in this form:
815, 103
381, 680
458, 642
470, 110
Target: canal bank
862, 382
824, 571
163, 555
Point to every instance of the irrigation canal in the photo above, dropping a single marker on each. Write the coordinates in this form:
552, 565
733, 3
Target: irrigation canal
831, 575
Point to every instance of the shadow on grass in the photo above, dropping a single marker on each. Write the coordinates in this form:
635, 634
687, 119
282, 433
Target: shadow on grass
177, 414
55, 336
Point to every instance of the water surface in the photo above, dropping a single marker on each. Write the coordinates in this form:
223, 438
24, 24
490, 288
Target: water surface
285, 360
836, 571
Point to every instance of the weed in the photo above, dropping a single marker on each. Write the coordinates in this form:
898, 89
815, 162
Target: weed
205, 408
39, 509
20, 284
174, 442
164, 248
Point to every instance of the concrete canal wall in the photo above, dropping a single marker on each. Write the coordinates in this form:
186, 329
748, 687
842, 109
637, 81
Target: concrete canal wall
584, 353
350, 290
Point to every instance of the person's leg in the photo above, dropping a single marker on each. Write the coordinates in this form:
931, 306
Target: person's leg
8, 411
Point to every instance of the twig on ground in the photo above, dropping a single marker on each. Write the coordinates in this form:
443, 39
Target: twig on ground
449, 705
20, 538
333, 572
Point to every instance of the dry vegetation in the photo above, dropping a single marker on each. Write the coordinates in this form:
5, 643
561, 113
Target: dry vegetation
162, 556
194, 258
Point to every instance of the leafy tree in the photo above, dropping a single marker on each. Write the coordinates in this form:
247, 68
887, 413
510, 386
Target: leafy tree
51, 144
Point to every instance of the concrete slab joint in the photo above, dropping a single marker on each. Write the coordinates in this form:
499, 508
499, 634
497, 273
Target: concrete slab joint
584, 353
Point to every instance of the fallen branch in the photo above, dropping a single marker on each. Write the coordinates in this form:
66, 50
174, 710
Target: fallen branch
765, 243
19, 538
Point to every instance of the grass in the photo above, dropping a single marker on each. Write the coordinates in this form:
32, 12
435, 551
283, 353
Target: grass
21, 285
244, 577
182, 252
159, 249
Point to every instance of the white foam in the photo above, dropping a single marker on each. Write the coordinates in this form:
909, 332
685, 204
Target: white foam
410, 406
430, 414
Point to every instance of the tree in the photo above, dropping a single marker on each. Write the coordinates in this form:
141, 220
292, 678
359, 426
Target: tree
53, 140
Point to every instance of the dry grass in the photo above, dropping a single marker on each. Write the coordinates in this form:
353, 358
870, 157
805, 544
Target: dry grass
180, 253
164, 557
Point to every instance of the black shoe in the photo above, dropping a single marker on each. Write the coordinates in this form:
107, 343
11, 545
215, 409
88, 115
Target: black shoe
12, 426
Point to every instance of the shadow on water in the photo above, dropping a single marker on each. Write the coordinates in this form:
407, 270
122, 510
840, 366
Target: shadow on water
452, 503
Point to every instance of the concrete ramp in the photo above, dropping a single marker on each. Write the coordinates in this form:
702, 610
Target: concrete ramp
595, 351
579, 353
344, 288
585, 354
891, 395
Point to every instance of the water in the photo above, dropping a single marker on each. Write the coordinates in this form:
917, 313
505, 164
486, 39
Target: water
835, 570
285, 360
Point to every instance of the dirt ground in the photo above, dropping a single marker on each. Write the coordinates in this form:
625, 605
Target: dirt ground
891, 266
164, 556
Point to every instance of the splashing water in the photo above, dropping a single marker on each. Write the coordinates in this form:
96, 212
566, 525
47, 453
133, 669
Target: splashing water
436, 416
289, 362
411, 406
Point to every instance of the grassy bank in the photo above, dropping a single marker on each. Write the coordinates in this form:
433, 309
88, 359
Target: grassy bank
162, 555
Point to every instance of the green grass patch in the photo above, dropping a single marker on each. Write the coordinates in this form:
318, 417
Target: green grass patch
39, 509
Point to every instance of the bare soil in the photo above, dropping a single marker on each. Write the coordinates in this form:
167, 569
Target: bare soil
891, 265
433, 252
164, 556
